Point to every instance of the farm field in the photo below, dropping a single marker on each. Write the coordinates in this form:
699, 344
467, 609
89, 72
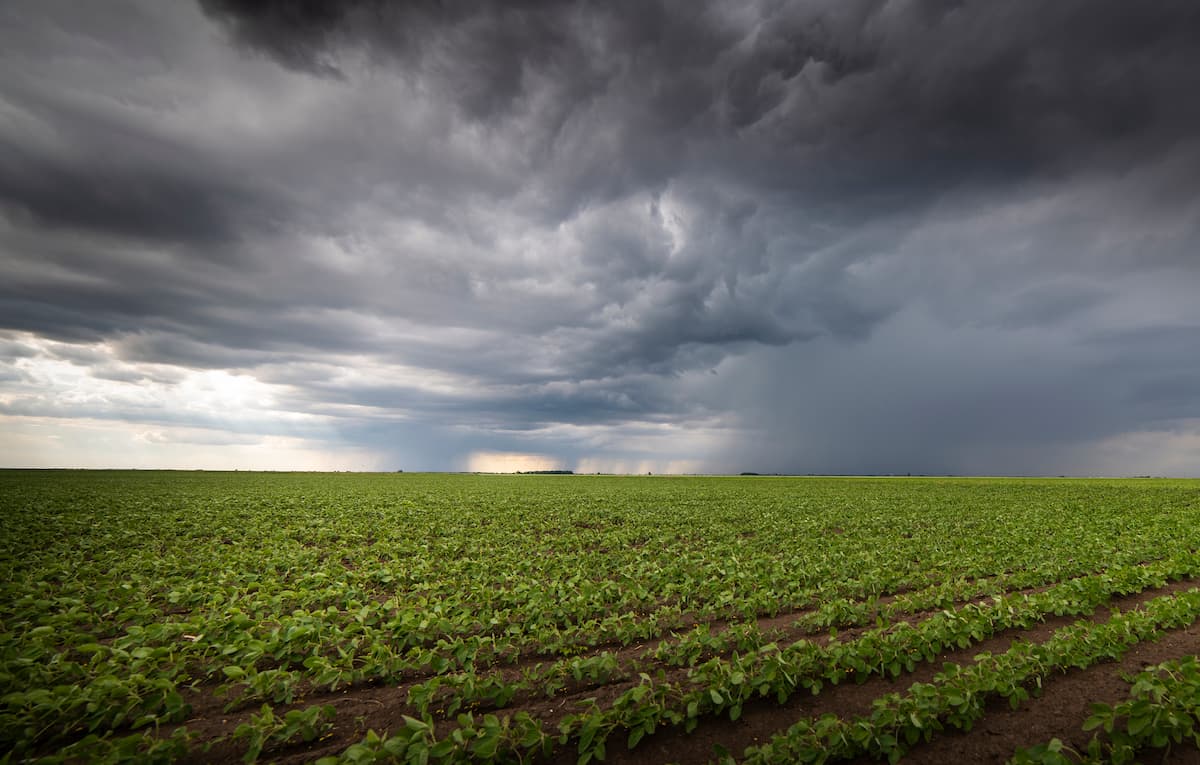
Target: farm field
230, 617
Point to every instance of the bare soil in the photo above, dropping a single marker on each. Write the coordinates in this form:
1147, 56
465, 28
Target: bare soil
759, 721
1059, 711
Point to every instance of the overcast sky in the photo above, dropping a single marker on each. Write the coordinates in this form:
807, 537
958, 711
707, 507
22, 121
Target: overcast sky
824, 236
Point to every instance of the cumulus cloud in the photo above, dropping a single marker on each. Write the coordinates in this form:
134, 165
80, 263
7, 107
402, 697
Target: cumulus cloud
923, 236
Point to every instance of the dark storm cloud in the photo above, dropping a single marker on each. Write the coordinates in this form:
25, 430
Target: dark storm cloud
975, 87
67, 162
857, 111
140, 199
618, 402
505, 218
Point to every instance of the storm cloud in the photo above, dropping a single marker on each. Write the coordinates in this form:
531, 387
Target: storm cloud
923, 236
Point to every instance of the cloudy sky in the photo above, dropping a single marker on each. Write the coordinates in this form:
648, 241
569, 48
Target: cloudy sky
816, 236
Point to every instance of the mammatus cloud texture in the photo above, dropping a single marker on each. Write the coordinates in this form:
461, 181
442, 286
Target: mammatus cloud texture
825, 236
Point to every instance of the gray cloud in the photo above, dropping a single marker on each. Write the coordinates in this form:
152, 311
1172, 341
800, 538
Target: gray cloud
923, 234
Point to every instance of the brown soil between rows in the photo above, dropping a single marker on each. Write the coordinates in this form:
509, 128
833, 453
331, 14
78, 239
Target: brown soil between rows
200, 695
1061, 710
783, 627
764, 718
380, 708
371, 704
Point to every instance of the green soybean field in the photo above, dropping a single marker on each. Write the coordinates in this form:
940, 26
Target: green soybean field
433, 618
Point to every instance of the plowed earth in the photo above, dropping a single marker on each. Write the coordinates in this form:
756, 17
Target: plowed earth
131, 603
1059, 711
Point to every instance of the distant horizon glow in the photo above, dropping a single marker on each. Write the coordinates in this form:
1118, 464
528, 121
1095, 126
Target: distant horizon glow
509, 462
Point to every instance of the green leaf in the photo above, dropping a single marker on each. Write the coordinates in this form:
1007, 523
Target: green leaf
635, 736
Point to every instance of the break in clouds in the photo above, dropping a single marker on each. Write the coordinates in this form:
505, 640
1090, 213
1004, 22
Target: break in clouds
827, 236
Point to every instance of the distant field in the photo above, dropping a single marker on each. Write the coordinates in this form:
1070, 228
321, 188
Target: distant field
222, 617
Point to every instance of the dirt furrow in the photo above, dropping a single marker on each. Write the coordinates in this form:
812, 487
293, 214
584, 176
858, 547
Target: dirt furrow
781, 627
763, 718
373, 700
381, 707
1060, 711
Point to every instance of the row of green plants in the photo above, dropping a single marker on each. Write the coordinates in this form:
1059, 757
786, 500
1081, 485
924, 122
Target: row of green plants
954, 699
124, 596
1161, 713
261, 730
888, 649
957, 696
247, 684
725, 685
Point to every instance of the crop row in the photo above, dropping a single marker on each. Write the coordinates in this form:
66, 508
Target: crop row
957, 695
725, 685
1163, 709
101, 697
886, 649
305, 650
955, 698
449, 693
124, 596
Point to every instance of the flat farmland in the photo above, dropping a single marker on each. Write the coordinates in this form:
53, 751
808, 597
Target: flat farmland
230, 617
